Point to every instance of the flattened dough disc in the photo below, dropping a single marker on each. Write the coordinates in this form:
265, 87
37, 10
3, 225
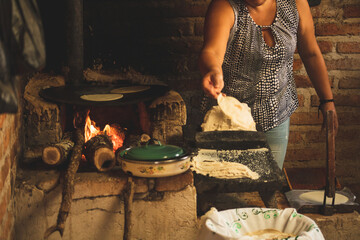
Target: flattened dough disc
318, 197
238, 112
101, 97
229, 105
130, 89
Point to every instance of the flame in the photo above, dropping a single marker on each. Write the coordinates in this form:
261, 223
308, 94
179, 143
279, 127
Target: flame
114, 131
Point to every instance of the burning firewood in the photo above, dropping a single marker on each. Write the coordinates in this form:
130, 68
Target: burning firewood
99, 152
68, 185
57, 153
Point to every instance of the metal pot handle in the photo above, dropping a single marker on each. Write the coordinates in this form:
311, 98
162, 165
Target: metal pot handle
153, 141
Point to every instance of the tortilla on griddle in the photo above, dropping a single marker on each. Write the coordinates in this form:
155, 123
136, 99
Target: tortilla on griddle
101, 97
130, 89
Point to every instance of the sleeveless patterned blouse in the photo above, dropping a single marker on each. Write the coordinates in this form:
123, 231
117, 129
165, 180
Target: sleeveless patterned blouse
260, 75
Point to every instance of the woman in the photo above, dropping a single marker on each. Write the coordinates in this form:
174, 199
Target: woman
248, 54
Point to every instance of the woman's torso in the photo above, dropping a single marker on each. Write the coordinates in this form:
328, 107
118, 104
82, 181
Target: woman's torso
258, 74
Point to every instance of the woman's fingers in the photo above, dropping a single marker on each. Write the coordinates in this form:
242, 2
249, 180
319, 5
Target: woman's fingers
213, 84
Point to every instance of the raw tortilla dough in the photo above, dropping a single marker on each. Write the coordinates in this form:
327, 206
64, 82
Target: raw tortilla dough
238, 112
269, 234
130, 89
222, 169
318, 197
216, 120
229, 115
101, 97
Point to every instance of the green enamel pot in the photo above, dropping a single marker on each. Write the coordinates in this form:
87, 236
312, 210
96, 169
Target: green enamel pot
154, 159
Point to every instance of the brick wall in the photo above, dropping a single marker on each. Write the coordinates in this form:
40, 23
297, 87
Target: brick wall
10, 151
337, 27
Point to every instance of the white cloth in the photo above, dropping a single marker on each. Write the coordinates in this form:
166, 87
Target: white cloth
236, 223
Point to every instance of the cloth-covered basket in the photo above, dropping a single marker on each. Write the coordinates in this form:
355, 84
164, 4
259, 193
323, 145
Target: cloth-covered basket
236, 223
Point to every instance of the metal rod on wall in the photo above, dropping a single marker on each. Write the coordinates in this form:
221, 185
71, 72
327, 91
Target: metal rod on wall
74, 41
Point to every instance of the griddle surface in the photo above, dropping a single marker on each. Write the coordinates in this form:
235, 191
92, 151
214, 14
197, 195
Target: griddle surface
71, 94
230, 139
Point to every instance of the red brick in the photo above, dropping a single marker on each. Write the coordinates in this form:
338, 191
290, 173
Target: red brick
324, 12
347, 134
306, 118
352, 11
348, 47
297, 64
348, 173
314, 100
306, 154
175, 27
195, 9
325, 46
199, 28
349, 83
302, 81
182, 9
346, 63
301, 100
340, 100
347, 100
315, 136
349, 118
295, 137
334, 29
348, 150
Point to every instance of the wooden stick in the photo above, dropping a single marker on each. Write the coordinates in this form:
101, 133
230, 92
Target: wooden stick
128, 200
99, 152
68, 185
58, 153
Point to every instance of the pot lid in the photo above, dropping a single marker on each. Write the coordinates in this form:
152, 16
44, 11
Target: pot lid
152, 152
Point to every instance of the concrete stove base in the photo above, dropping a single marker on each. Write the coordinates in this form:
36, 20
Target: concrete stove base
162, 208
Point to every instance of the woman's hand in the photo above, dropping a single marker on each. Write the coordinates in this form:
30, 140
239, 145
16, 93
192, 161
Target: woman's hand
213, 83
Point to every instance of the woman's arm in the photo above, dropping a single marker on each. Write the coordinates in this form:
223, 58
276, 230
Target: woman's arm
218, 23
312, 58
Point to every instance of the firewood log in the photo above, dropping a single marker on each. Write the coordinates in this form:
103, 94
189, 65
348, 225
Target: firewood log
68, 185
58, 153
128, 205
99, 152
